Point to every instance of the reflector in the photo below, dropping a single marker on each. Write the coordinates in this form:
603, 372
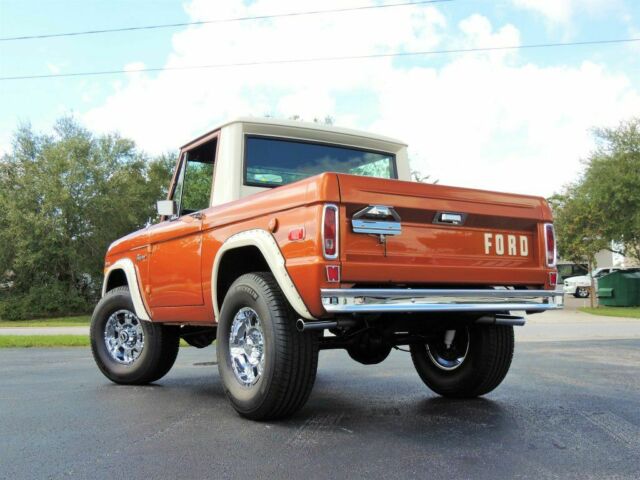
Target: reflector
333, 273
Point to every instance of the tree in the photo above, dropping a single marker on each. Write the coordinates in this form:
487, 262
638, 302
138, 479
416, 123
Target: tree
602, 207
578, 228
612, 182
63, 199
604, 204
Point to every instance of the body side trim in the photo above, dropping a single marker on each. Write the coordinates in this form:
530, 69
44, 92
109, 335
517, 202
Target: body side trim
126, 265
271, 252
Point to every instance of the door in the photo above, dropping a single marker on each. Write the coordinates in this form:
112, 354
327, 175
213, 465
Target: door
175, 276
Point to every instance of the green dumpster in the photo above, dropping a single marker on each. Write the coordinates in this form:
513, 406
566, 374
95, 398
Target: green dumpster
620, 289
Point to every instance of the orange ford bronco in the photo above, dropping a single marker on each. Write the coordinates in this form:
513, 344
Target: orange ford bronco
280, 239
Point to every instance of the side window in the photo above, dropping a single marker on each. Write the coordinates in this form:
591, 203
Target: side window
193, 185
196, 187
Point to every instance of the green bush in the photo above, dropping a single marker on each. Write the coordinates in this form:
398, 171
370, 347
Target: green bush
64, 198
42, 301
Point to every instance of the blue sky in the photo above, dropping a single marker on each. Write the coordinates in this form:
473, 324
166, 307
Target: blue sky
477, 120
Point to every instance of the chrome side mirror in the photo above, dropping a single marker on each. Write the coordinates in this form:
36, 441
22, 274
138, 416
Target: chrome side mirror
166, 208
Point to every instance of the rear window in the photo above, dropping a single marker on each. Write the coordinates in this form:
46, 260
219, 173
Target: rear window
271, 162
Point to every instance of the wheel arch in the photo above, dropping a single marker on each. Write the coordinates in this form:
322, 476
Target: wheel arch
123, 273
251, 251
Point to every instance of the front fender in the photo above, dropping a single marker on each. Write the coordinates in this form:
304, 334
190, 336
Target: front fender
126, 265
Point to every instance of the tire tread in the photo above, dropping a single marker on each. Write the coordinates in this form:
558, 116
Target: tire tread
296, 355
488, 370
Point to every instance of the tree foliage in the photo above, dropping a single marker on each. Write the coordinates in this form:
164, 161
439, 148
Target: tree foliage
64, 198
578, 225
417, 176
603, 206
612, 181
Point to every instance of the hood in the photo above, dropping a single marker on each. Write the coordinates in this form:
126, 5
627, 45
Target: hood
138, 238
579, 279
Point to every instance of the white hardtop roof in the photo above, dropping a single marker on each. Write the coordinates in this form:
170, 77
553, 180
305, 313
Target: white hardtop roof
303, 126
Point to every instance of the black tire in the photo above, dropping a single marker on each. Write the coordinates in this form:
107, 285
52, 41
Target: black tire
290, 357
487, 361
582, 292
161, 343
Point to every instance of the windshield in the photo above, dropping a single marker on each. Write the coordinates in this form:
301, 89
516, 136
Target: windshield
599, 273
270, 162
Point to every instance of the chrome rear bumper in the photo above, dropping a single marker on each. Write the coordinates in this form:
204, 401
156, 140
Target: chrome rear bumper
359, 300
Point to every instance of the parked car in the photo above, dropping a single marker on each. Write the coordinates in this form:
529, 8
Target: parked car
567, 270
580, 286
275, 232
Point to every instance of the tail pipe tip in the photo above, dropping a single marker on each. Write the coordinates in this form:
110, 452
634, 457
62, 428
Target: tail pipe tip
303, 326
499, 319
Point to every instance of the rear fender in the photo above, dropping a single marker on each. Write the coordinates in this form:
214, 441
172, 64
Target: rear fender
265, 242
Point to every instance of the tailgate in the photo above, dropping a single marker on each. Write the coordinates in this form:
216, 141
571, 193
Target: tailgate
498, 240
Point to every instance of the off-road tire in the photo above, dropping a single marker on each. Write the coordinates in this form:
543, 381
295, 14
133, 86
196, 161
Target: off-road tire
483, 369
161, 344
290, 357
582, 292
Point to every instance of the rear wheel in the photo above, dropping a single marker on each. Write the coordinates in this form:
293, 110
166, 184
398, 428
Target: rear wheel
467, 362
126, 349
267, 367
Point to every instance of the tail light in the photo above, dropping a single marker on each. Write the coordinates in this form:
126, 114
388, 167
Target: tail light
550, 244
330, 231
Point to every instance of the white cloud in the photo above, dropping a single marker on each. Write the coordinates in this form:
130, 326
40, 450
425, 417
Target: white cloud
134, 67
562, 11
523, 129
53, 68
554, 10
478, 120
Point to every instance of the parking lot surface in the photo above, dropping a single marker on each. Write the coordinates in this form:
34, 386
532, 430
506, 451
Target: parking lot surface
566, 410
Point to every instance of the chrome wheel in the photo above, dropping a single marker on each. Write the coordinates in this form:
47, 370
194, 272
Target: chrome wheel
450, 352
124, 337
246, 346
582, 292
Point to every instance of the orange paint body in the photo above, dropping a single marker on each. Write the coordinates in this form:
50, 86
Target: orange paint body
174, 259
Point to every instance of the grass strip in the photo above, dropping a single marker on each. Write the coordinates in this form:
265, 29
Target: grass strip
43, 341
626, 312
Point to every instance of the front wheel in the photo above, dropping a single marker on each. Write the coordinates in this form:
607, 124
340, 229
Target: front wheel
126, 349
467, 362
582, 292
267, 367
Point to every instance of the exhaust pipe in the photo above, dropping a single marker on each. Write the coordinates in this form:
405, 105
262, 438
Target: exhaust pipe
498, 319
303, 326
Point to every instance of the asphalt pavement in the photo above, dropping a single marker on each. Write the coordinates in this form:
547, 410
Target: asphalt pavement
566, 410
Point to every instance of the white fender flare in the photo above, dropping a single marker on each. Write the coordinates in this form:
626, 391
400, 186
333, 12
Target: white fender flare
267, 245
126, 265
